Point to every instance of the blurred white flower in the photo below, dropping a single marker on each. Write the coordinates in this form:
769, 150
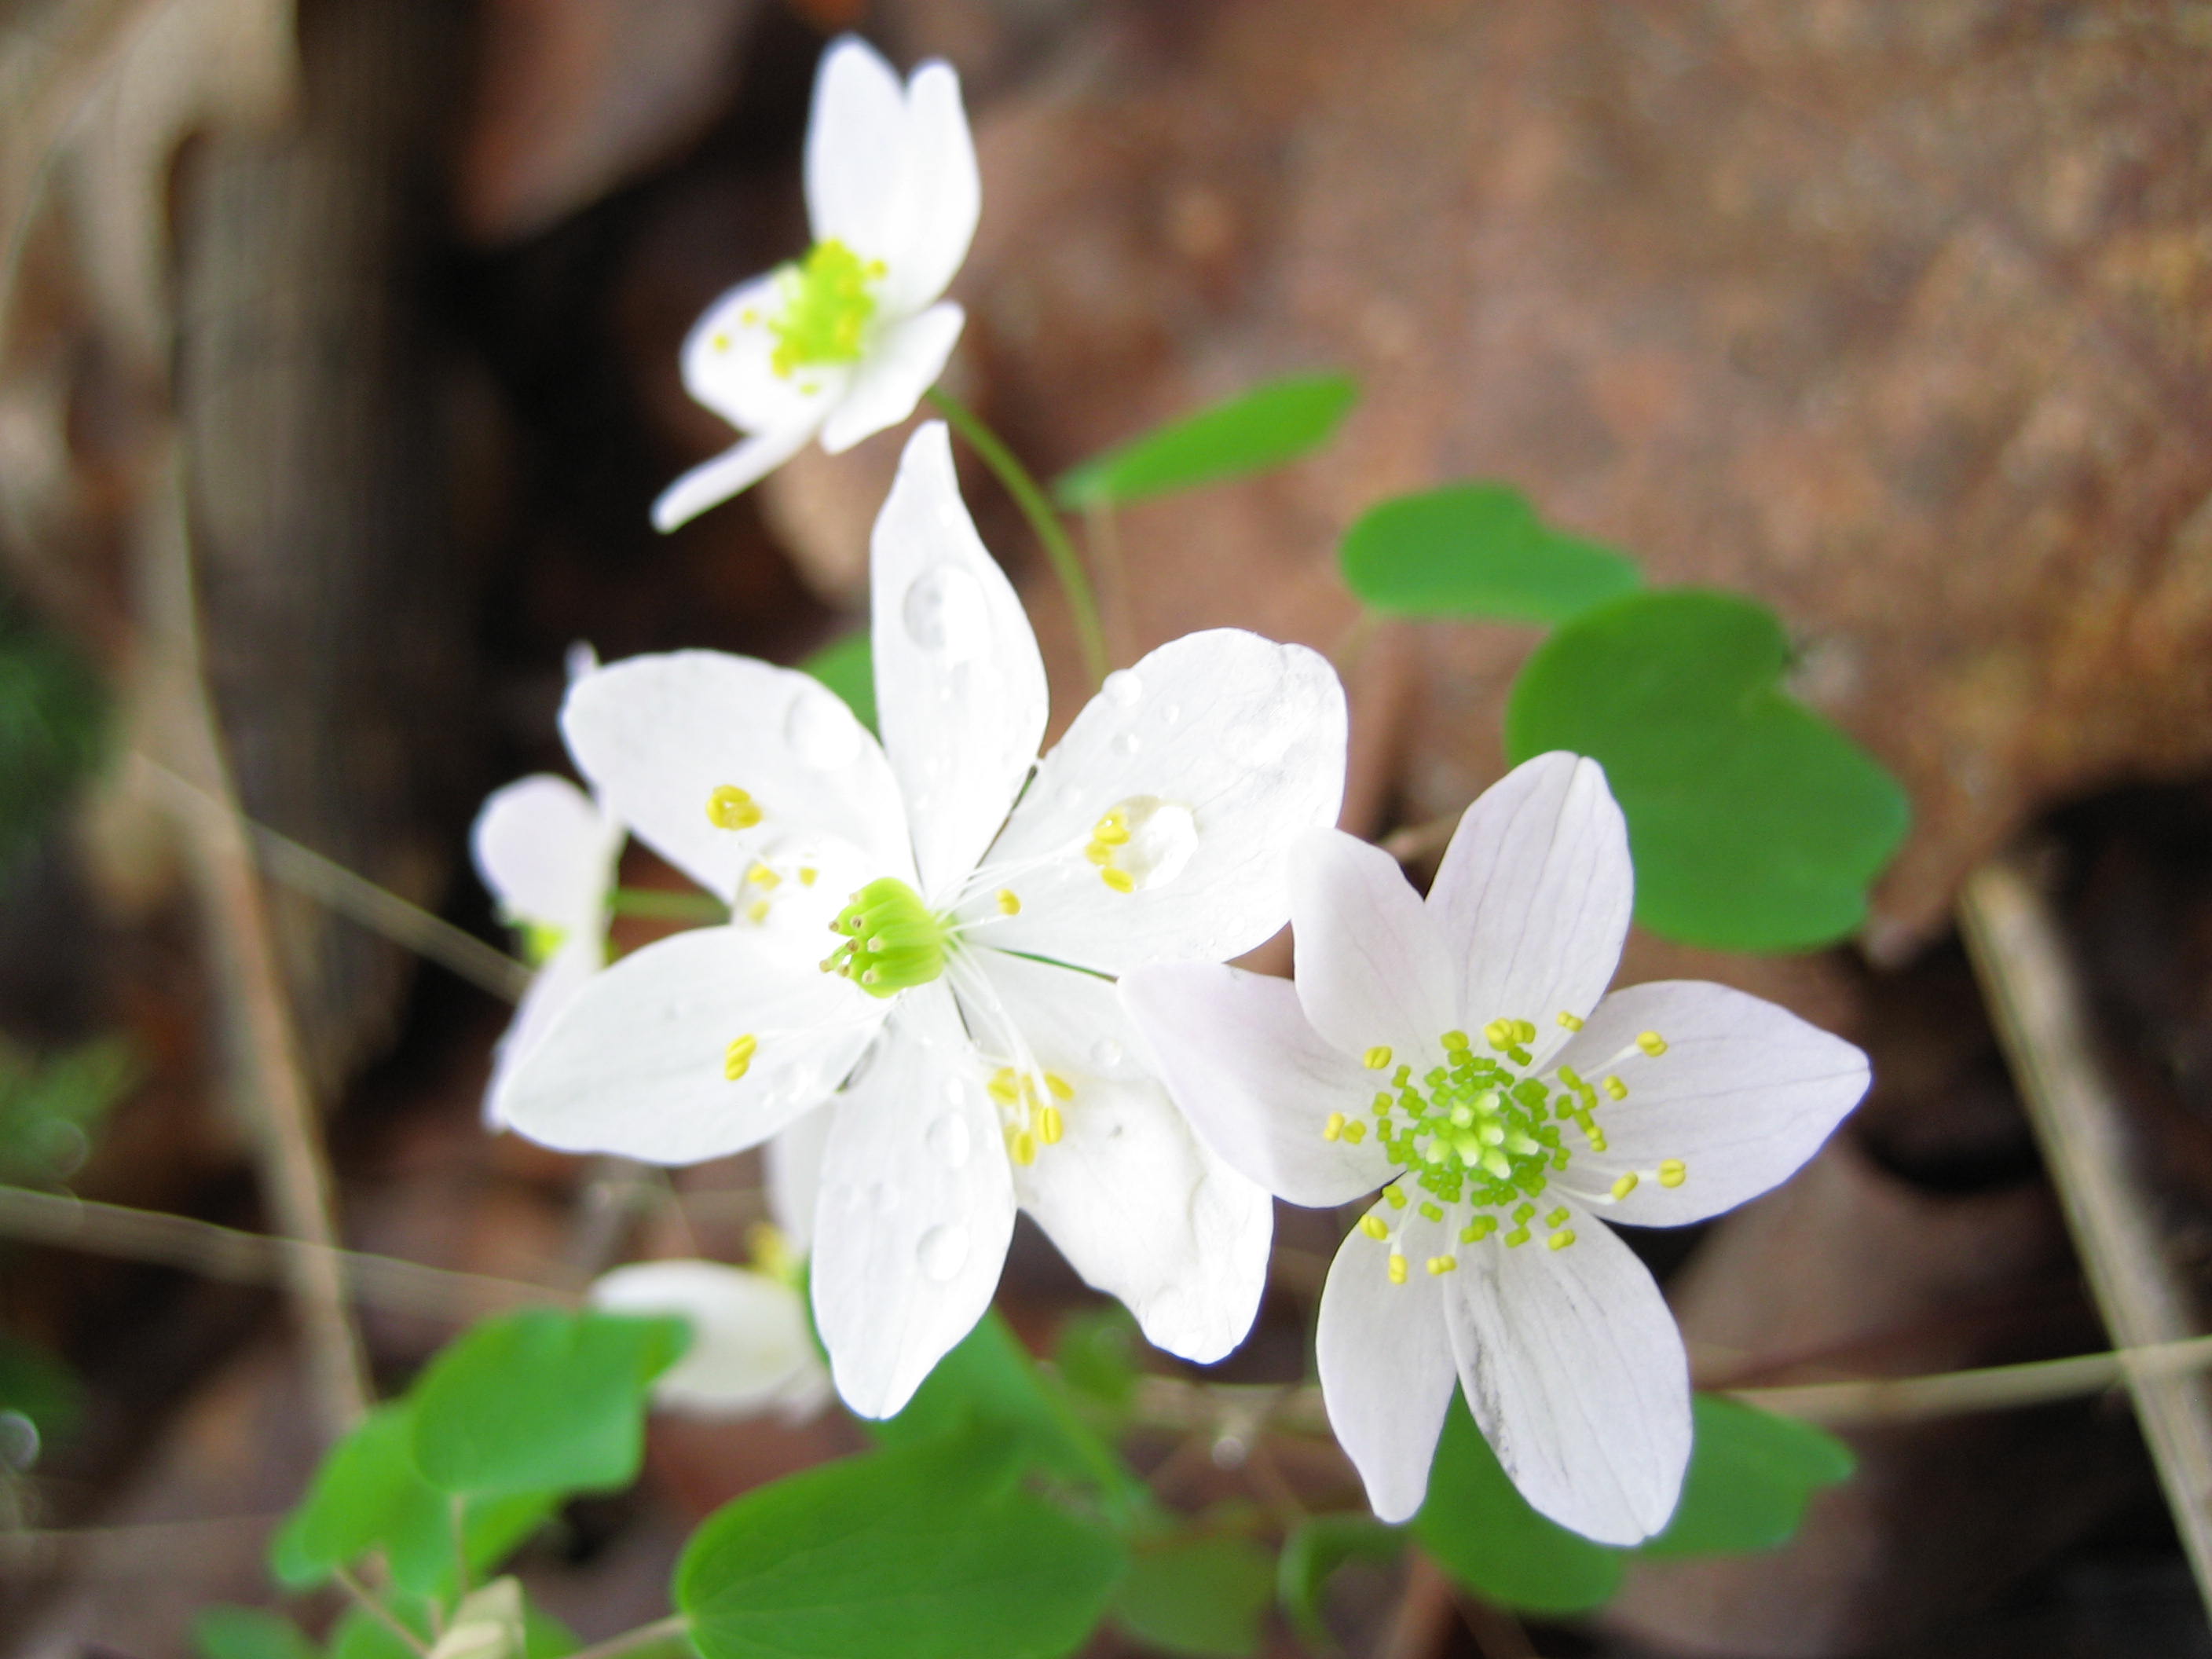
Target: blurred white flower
1457, 1049
844, 342
964, 1019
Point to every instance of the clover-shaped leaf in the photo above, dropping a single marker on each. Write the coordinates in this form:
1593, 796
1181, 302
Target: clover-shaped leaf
1477, 550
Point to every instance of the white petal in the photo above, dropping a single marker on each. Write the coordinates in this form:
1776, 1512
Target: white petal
733, 471
903, 360
1371, 964
1744, 1093
1534, 895
635, 1063
856, 146
658, 735
1228, 746
1137, 1205
547, 853
960, 689
750, 1349
1258, 1083
552, 989
942, 195
793, 1161
917, 1206
729, 362
1576, 1374
1386, 1363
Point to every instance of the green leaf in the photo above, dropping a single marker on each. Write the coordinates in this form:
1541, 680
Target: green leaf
50, 1108
989, 1382
1096, 1354
53, 726
1751, 1475
1311, 1555
1755, 825
1273, 423
1482, 1532
847, 666
1477, 550
918, 1551
224, 1633
541, 1401
359, 1634
1188, 1593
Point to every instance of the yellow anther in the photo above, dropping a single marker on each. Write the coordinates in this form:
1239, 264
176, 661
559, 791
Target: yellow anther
1003, 1088
1024, 1148
1561, 1239
738, 1058
1570, 1021
1674, 1172
1355, 1131
1113, 830
1557, 1218
721, 341
1394, 1197
756, 912
1374, 1226
1616, 1088
1051, 1126
1498, 1033
1432, 1213
769, 1249
1455, 1041
1397, 1268
1010, 903
1378, 1058
1119, 880
1523, 1031
1382, 1105
750, 316
1402, 1076
1334, 1129
808, 875
1597, 1139
1061, 1087
1443, 1264
1651, 1043
731, 808
1099, 852
760, 876
1517, 1237
1524, 1212
1626, 1185
1478, 1229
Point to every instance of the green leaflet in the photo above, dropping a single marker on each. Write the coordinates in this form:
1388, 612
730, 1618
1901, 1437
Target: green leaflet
1751, 1475
1477, 550
1273, 423
847, 666
1189, 1593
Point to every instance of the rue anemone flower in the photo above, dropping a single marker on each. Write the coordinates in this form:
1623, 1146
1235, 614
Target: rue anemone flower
925, 934
1462, 1054
843, 342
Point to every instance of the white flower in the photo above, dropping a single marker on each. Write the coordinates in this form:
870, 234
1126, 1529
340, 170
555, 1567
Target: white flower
546, 852
752, 1351
844, 342
965, 1019
1458, 1050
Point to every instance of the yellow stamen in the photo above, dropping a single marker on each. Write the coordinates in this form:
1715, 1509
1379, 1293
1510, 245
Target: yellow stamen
1334, 1129
756, 912
721, 340
1674, 1172
1355, 1131
1394, 1197
1024, 1148
1374, 1226
760, 876
1570, 1021
1378, 1058
1455, 1041
1002, 1087
807, 875
1561, 1239
1119, 880
1099, 852
1626, 1185
1112, 830
1616, 1088
1651, 1043
1051, 1126
1061, 1087
1443, 1264
1010, 903
1397, 1268
731, 808
1517, 1237
738, 1058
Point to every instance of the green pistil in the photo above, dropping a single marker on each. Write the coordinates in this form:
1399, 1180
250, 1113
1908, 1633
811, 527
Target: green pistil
826, 308
1474, 1130
892, 942
540, 940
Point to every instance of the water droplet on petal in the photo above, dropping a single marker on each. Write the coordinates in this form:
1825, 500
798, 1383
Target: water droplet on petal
1127, 744
822, 731
1123, 688
948, 1137
946, 611
1105, 1054
943, 1251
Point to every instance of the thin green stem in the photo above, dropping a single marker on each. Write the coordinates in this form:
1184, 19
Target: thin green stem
367, 1600
1044, 520
658, 905
660, 1630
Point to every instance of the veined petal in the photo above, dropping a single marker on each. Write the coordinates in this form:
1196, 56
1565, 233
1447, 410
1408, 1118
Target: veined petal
750, 1349
942, 194
1386, 1360
960, 688
916, 1207
1576, 1375
1217, 751
903, 361
1371, 963
857, 140
1740, 1095
732, 472
639, 1061
1258, 1083
659, 735
554, 985
729, 363
793, 1163
547, 853
1533, 896
1134, 1201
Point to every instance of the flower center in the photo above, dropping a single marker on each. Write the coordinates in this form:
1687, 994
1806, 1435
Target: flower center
827, 308
893, 942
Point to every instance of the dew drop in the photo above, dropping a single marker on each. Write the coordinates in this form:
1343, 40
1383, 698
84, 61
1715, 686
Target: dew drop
1123, 688
1127, 744
1105, 1052
948, 1137
946, 611
821, 732
943, 1251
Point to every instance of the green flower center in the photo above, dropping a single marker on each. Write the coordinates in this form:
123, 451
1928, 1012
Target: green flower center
827, 308
892, 941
